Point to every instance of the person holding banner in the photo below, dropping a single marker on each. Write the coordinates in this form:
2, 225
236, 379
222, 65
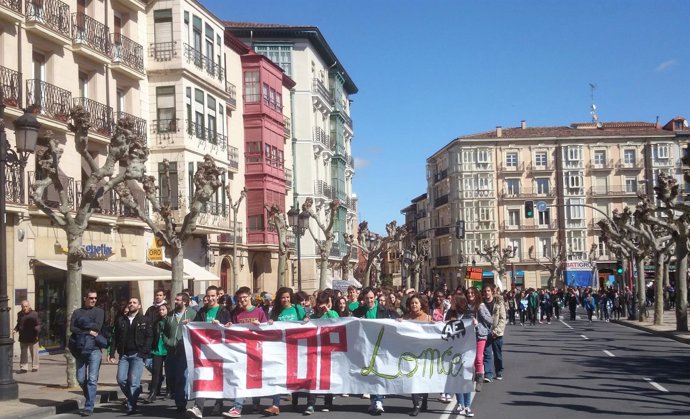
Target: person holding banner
493, 352
213, 313
482, 315
352, 298
418, 311
174, 344
461, 311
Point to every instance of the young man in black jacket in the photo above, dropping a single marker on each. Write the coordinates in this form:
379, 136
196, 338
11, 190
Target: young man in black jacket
89, 365
132, 340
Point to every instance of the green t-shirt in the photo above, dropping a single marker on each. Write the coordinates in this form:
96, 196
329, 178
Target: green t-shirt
353, 306
288, 315
160, 349
371, 312
330, 314
211, 313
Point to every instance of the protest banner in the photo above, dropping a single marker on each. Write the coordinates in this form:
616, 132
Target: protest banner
346, 355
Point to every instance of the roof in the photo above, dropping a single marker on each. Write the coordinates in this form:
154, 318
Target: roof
588, 129
312, 33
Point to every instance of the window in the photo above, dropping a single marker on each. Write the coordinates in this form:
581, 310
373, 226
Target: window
602, 249
574, 180
544, 247
542, 186
660, 151
513, 218
540, 159
279, 54
256, 222
165, 108
576, 210
251, 87
516, 246
576, 243
253, 152
483, 156
631, 184
486, 214
544, 217
629, 157
163, 34
513, 187
168, 184
511, 160
573, 153
599, 158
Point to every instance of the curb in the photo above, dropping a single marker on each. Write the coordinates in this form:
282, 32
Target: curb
65, 406
673, 335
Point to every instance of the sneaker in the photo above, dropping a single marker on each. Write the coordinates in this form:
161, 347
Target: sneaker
272, 411
85, 412
309, 411
458, 410
378, 407
415, 411
345, 395
548, 322
488, 380
499, 376
327, 408
469, 413
194, 412
233, 413
366, 395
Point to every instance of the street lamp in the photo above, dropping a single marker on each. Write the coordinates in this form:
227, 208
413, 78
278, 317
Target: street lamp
26, 132
299, 221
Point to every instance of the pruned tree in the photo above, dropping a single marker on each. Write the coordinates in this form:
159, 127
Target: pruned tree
206, 183
276, 218
372, 245
323, 246
351, 244
414, 258
235, 208
498, 258
553, 264
124, 147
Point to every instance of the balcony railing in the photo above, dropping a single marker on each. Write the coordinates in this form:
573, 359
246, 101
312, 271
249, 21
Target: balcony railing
203, 62
14, 185
127, 52
52, 14
163, 51
527, 193
320, 136
518, 167
320, 89
214, 208
14, 5
48, 100
548, 167
616, 190
139, 123
442, 260
351, 204
111, 203
601, 165
288, 127
228, 237
481, 193
536, 226
51, 196
322, 188
630, 165
11, 85
439, 176
234, 157
441, 200
441, 231
165, 126
232, 91
88, 31
288, 178
206, 134
100, 115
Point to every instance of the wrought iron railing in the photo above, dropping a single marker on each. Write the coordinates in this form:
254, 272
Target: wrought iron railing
100, 115
287, 127
163, 51
48, 100
128, 52
441, 200
203, 62
14, 186
11, 85
319, 88
164, 126
322, 188
139, 123
14, 5
53, 14
320, 136
111, 203
232, 91
207, 134
288, 178
234, 157
51, 195
88, 31
214, 208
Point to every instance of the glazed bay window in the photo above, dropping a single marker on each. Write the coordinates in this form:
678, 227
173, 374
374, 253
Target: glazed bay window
165, 109
253, 152
256, 222
281, 54
251, 87
169, 190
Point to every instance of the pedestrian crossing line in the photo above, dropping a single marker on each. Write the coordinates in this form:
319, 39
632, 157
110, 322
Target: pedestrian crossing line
566, 324
655, 385
584, 337
449, 408
609, 353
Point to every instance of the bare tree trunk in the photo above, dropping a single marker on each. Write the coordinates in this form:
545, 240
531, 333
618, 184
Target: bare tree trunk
641, 288
177, 266
73, 296
682, 282
659, 289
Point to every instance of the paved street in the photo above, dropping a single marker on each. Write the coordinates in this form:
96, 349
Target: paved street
562, 370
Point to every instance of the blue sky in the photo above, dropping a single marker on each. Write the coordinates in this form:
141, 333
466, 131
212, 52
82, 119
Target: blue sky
430, 71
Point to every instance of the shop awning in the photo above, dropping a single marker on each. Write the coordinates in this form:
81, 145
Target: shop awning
194, 271
107, 271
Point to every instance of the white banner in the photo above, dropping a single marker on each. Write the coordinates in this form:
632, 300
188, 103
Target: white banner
347, 355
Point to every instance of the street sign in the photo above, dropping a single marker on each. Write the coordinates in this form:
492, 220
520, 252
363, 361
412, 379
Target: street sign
541, 206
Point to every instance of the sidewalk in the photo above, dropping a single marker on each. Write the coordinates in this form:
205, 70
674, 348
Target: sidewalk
667, 329
44, 393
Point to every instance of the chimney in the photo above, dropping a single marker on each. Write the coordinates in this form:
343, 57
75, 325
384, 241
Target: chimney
523, 124
499, 131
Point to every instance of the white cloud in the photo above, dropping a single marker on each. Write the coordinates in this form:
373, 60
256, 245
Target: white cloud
666, 65
361, 163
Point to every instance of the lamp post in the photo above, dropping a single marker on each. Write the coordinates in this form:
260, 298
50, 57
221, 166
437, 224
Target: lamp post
26, 133
299, 221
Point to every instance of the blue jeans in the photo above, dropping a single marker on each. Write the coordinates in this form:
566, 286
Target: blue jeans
129, 370
87, 376
375, 398
493, 356
464, 399
176, 364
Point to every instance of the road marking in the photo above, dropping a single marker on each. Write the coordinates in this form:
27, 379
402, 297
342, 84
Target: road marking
566, 324
584, 337
655, 385
449, 408
609, 353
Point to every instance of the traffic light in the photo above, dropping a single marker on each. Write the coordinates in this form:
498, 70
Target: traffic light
529, 209
619, 267
460, 229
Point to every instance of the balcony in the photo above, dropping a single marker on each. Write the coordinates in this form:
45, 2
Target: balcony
518, 167
635, 165
14, 185
441, 200
51, 196
231, 90
206, 134
601, 166
288, 178
234, 158
134, 5
214, 208
127, 56
163, 51
322, 139
100, 115
11, 85
351, 204
344, 116
287, 127
48, 100
535, 226
441, 231
324, 190
227, 238
443, 260
11, 11
527, 193
111, 204
49, 19
165, 126
439, 176
548, 167
203, 62
139, 124
321, 96
616, 190
91, 38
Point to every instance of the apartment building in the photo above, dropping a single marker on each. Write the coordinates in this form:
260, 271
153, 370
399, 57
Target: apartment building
578, 174
417, 224
321, 132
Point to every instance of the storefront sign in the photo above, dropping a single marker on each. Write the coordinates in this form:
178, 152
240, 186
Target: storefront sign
155, 252
346, 355
92, 251
473, 273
